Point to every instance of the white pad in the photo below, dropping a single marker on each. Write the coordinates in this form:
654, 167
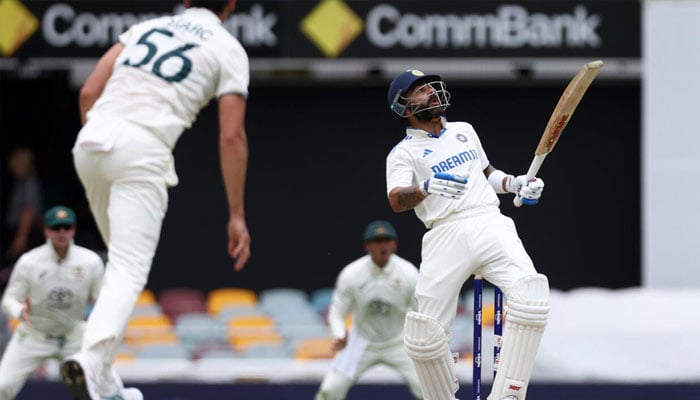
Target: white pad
427, 344
526, 316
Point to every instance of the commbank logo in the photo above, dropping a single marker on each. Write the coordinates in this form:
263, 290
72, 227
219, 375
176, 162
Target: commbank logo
332, 26
17, 24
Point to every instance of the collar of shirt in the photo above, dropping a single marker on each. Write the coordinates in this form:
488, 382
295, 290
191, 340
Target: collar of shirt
53, 252
377, 270
419, 132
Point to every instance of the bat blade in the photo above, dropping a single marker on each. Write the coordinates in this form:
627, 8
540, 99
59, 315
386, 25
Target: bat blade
567, 105
560, 117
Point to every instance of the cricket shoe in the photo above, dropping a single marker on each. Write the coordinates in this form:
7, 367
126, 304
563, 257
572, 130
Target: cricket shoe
81, 374
86, 381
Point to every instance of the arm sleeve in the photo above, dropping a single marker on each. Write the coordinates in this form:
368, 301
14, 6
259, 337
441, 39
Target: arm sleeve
398, 170
17, 289
235, 72
340, 306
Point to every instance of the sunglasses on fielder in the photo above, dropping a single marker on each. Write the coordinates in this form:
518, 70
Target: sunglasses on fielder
61, 227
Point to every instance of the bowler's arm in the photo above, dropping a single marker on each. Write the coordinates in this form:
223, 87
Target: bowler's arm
97, 80
233, 149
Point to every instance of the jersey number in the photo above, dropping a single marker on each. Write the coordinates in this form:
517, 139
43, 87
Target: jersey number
177, 53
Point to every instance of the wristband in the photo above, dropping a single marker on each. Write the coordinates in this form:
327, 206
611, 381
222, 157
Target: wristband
496, 181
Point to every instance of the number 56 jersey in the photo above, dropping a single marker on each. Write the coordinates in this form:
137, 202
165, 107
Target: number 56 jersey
170, 68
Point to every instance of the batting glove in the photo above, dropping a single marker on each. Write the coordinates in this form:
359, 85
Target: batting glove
445, 185
528, 191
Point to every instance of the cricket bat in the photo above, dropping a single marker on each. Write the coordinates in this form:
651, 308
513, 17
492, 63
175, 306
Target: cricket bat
560, 118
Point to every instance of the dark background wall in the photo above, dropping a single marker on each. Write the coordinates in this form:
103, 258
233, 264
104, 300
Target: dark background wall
316, 178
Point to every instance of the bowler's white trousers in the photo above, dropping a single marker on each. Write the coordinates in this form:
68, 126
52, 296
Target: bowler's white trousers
479, 242
126, 183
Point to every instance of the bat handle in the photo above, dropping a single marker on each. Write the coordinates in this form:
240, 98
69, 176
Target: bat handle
535, 165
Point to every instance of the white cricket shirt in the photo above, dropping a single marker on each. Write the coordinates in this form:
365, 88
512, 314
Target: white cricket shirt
378, 298
457, 151
170, 68
58, 290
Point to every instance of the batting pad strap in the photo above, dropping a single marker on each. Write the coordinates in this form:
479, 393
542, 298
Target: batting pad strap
496, 180
427, 344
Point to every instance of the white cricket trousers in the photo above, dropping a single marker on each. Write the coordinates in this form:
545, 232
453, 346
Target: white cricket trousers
126, 188
27, 349
336, 383
484, 242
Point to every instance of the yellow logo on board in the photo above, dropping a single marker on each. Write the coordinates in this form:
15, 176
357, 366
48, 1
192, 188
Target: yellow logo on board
332, 26
17, 24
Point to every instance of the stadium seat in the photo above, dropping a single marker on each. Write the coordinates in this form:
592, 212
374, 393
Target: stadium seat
175, 351
293, 333
180, 301
242, 342
309, 349
321, 300
217, 299
228, 312
149, 329
250, 325
246, 330
147, 309
267, 350
282, 296
146, 297
125, 353
296, 316
200, 328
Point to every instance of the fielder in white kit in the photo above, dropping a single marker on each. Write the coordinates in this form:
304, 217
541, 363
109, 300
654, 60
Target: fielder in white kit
144, 92
441, 171
48, 291
377, 290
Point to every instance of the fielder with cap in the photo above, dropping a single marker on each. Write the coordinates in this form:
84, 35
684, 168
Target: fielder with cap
377, 290
441, 171
48, 291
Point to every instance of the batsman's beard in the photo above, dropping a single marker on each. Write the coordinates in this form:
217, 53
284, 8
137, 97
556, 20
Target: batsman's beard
431, 114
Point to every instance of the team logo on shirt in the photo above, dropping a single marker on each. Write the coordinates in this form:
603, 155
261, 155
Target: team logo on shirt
60, 298
79, 272
379, 307
462, 138
455, 160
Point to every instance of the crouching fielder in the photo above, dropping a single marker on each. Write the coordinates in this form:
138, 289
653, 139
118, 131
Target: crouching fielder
441, 171
378, 290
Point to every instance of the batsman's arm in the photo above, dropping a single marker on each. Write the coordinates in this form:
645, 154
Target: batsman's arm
405, 198
233, 149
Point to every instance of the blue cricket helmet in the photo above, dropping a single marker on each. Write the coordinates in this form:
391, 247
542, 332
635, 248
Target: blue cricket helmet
402, 84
